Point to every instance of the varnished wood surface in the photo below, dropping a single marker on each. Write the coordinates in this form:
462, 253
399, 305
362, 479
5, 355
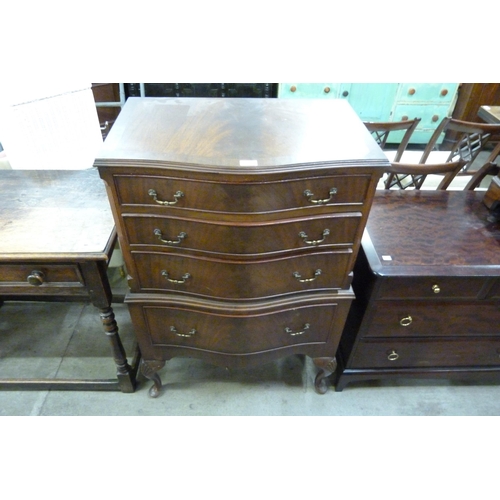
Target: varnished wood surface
490, 114
239, 134
430, 233
54, 214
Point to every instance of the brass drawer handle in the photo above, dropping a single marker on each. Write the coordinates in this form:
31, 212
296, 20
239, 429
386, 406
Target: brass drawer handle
159, 235
300, 332
183, 279
304, 237
309, 195
393, 355
436, 289
406, 321
36, 278
154, 195
297, 276
189, 334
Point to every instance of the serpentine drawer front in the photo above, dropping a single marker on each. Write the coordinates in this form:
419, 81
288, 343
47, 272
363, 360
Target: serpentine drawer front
427, 296
240, 232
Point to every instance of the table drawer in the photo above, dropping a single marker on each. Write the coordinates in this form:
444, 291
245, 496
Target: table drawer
234, 279
431, 287
247, 334
434, 319
245, 238
37, 275
237, 197
426, 354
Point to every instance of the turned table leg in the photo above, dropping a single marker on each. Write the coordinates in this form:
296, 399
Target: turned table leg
326, 367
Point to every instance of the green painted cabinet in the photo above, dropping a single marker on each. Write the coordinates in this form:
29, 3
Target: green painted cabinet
385, 101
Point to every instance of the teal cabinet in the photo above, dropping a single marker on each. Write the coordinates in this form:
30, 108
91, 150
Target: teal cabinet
379, 102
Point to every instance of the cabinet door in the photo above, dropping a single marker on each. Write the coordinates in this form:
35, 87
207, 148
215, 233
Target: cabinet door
309, 90
372, 101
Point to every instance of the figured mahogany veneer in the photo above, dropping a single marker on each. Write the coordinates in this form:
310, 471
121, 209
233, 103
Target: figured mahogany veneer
427, 284
240, 221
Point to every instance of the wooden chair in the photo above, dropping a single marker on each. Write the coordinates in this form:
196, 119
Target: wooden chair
407, 175
470, 139
382, 130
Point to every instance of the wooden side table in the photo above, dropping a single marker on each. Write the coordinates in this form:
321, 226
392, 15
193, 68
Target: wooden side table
57, 235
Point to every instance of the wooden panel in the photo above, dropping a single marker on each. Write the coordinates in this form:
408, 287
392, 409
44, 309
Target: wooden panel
470, 97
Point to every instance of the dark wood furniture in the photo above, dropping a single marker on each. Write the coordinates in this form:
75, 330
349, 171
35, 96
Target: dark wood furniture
427, 284
57, 235
239, 221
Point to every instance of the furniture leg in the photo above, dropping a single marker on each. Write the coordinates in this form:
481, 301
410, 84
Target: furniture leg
326, 367
149, 370
123, 370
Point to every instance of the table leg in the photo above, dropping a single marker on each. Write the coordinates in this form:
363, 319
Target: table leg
96, 281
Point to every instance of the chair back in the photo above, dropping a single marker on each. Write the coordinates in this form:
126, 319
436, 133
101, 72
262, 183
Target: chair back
382, 130
471, 138
413, 175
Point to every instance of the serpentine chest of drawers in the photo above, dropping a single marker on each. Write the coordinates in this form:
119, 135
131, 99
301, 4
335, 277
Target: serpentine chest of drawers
427, 285
239, 221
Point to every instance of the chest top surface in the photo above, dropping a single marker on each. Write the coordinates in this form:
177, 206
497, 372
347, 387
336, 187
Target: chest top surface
431, 233
53, 212
238, 134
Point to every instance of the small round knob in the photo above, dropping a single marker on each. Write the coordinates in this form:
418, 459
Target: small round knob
436, 289
36, 278
345, 93
393, 355
406, 321
444, 92
404, 118
327, 90
293, 88
411, 91
435, 118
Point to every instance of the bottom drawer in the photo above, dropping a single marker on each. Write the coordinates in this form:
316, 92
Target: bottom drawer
234, 330
421, 354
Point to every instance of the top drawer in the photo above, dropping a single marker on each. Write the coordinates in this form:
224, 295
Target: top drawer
172, 193
434, 287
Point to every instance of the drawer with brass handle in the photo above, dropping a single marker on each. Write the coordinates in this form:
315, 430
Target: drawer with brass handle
169, 233
239, 279
168, 195
237, 334
429, 354
419, 319
435, 287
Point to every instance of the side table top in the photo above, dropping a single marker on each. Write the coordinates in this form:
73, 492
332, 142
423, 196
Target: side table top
431, 233
60, 214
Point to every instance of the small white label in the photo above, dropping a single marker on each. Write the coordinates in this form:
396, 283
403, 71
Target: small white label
386, 257
248, 163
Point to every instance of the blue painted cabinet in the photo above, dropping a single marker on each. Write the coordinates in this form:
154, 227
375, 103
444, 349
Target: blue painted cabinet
386, 101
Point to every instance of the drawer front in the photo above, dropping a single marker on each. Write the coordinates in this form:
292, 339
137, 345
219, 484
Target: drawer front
169, 327
408, 354
39, 275
433, 319
494, 292
434, 287
257, 197
238, 279
242, 239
